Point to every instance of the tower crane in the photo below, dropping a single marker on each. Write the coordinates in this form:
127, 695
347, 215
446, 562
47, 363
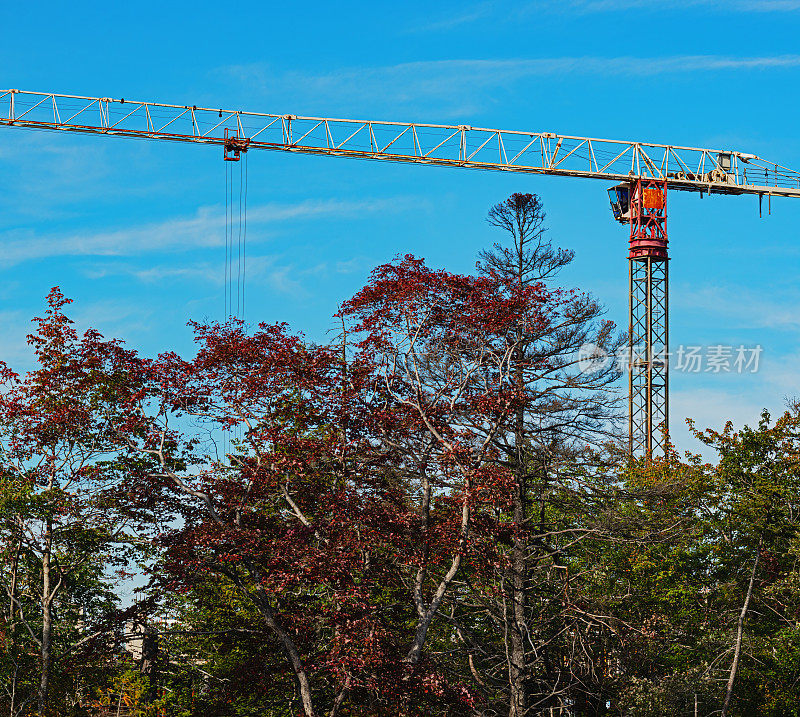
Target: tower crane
643, 174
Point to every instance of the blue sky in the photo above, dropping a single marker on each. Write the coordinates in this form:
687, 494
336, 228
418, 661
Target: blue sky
134, 230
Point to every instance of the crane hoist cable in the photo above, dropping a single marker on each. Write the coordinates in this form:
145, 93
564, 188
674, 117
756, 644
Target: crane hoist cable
235, 264
244, 237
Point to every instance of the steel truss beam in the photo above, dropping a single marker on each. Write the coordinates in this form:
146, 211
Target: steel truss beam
683, 168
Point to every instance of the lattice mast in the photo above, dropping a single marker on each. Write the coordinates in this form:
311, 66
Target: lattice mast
642, 204
648, 326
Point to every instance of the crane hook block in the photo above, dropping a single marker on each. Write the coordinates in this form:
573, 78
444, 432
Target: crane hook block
233, 146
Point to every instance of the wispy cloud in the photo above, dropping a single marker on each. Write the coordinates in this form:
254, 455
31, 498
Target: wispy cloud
205, 229
452, 87
456, 19
14, 327
121, 317
711, 408
739, 398
266, 270
598, 6
742, 308
498, 11
152, 274
780, 373
113, 317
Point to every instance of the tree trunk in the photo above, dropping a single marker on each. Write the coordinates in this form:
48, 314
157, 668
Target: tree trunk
739, 631
12, 628
303, 683
12, 605
47, 624
427, 613
426, 616
518, 631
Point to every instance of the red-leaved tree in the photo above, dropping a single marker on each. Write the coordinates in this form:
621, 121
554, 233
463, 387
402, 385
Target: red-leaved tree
64, 515
442, 346
264, 450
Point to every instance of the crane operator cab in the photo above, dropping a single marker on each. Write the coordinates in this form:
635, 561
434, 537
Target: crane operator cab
620, 198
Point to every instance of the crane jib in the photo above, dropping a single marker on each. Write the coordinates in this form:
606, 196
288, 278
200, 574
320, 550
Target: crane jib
692, 169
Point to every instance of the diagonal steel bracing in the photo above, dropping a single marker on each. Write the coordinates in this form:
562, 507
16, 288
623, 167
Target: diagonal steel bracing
648, 378
648, 329
693, 169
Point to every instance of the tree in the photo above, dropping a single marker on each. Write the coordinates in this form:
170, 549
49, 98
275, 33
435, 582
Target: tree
716, 605
562, 409
756, 522
439, 344
64, 520
283, 498
338, 440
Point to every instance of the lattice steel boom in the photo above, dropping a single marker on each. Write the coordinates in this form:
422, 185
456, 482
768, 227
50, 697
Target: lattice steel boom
646, 172
684, 168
